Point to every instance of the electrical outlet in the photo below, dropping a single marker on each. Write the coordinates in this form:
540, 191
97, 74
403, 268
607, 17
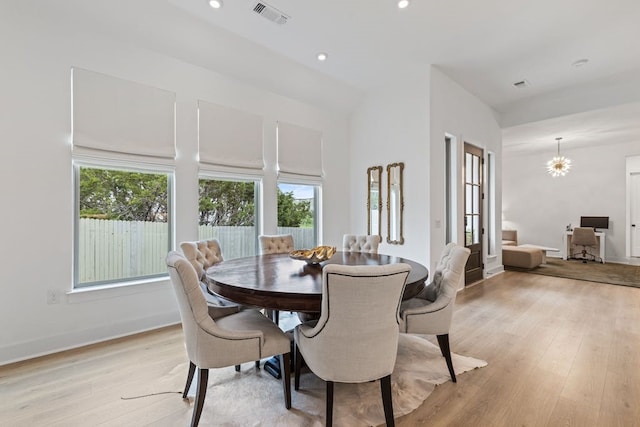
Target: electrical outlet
53, 296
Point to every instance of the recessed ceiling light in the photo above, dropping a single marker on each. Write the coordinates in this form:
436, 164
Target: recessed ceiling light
322, 56
403, 4
579, 63
216, 4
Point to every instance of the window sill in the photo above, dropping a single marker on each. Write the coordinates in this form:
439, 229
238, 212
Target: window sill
99, 292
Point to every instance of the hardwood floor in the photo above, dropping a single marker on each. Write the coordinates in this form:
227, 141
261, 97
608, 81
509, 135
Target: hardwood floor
560, 352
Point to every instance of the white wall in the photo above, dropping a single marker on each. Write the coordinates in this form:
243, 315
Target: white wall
391, 125
38, 52
540, 206
407, 121
456, 112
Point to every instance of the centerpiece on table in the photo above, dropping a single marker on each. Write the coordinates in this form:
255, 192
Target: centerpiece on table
313, 256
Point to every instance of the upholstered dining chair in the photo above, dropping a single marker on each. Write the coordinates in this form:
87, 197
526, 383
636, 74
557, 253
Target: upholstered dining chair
356, 338
360, 243
431, 311
203, 254
585, 237
216, 339
275, 244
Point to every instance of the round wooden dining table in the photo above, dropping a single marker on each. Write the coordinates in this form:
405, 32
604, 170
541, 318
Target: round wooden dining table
278, 282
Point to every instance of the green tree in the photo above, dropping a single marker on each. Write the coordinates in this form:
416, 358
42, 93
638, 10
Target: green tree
292, 212
123, 195
227, 203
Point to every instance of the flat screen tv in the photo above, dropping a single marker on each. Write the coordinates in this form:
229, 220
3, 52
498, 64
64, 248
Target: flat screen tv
597, 222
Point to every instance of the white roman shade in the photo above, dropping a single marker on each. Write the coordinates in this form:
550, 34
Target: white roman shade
111, 115
229, 138
299, 152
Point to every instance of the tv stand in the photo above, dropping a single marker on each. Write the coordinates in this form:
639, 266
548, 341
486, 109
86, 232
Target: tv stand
567, 245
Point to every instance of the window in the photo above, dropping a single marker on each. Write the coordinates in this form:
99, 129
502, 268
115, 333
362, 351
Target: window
298, 213
228, 212
122, 224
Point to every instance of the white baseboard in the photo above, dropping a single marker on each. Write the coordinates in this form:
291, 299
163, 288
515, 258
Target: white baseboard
66, 341
495, 270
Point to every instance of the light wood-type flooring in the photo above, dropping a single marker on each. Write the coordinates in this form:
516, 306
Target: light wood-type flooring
561, 352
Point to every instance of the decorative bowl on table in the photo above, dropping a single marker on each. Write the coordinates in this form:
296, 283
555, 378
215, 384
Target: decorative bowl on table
313, 256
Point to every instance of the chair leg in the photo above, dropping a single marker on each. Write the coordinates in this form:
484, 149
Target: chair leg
329, 410
297, 362
387, 403
285, 368
443, 341
192, 370
203, 378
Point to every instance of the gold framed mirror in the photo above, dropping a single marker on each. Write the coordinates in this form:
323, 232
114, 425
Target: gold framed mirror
395, 203
374, 201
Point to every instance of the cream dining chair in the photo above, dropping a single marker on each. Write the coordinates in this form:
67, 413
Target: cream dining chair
203, 254
216, 339
275, 244
366, 299
431, 311
360, 243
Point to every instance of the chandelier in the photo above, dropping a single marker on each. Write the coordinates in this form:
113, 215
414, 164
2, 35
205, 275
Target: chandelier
559, 165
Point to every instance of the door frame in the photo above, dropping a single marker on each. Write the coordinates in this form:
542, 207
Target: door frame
474, 270
633, 236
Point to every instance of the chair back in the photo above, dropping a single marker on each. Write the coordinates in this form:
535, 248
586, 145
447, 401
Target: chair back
358, 325
361, 243
509, 237
450, 270
276, 244
425, 314
202, 255
584, 236
194, 313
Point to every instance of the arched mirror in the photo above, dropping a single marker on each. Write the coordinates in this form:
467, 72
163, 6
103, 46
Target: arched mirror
395, 203
374, 203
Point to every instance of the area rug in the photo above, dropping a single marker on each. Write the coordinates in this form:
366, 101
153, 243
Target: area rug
254, 398
612, 273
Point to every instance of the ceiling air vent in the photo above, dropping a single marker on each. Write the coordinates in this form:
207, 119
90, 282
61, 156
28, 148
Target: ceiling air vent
521, 84
270, 12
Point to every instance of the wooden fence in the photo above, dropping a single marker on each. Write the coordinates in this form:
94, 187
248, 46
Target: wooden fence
116, 250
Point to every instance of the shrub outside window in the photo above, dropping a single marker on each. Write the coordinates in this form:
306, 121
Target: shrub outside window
298, 213
227, 212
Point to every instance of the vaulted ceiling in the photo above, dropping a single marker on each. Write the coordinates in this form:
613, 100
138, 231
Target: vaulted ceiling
485, 46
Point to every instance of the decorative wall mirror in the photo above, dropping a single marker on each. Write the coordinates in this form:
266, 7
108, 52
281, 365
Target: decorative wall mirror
374, 202
395, 203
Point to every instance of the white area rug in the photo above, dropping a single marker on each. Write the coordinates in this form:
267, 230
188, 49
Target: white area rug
254, 398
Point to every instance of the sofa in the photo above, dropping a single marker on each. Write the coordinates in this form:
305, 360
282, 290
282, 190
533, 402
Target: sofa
509, 238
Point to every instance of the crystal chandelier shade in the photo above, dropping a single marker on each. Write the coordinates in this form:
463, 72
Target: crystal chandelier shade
559, 165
